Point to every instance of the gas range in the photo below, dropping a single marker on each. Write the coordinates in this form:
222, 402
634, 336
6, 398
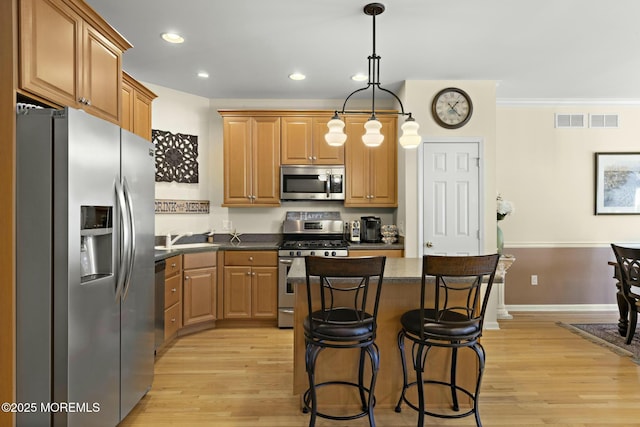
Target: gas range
300, 248
313, 233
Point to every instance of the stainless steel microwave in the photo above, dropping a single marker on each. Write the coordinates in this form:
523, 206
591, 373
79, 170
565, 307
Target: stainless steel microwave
310, 182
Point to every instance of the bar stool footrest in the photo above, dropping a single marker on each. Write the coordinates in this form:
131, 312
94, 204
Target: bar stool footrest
435, 414
307, 409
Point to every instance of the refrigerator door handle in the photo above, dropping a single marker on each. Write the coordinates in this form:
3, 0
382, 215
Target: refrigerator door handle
132, 237
123, 264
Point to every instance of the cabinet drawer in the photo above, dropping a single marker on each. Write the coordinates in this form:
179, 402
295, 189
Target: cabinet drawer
172, 287
174, 265
171, 320
254, 258
199, 260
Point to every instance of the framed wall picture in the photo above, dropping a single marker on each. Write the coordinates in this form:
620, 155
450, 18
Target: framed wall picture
617, 183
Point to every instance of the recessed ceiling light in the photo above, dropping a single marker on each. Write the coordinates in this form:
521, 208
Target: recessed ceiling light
172, 38
359, 77
203, 74
297, 76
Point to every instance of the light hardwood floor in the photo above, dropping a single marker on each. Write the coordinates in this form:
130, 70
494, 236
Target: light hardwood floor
537, 373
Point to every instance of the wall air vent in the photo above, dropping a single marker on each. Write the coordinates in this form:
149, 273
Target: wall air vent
570, 121
603, 121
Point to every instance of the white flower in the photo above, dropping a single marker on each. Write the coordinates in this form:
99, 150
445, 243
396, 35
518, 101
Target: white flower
504, 208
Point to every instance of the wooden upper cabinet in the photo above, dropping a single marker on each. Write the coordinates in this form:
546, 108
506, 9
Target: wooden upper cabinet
136, 107
251, 161
303, 142
69, 56
371, 173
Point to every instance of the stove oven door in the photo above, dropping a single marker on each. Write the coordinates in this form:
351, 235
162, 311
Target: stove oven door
286, 295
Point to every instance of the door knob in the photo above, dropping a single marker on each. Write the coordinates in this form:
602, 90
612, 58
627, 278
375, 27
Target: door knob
429, 244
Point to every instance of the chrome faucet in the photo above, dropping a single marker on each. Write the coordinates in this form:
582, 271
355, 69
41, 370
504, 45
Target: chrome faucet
169, 242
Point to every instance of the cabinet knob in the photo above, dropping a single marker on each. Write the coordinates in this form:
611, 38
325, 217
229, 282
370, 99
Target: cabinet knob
186, 278
248, 273
250, 258
253, 273
173, 265
310, 158
314, 158
174, 290
173, 320
429, 244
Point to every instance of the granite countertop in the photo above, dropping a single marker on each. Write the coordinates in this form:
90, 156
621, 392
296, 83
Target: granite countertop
399, 270
254, 242
223, 246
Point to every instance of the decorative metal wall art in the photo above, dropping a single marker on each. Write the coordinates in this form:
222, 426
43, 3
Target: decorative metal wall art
176, 156
164, 206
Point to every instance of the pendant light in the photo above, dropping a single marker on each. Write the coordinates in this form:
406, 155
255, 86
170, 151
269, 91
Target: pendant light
372, 136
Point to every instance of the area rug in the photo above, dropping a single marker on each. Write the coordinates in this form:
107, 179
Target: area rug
606, 335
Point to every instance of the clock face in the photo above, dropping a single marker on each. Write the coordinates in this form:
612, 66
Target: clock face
451, 108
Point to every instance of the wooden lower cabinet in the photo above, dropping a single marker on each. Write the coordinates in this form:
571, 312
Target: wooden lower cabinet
171, 321
199, 292
173, 296
250, 289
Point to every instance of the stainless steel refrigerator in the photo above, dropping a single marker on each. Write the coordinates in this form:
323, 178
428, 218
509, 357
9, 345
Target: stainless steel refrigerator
85, 269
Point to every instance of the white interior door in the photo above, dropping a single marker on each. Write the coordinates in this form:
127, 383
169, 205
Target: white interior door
451, 223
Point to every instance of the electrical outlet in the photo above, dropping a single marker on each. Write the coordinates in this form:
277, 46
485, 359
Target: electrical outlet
534, 279
227, 225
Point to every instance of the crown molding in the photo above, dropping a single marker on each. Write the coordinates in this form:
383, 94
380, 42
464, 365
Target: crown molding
555, 102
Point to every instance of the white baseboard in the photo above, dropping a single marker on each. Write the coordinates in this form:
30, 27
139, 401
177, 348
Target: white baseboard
564, 307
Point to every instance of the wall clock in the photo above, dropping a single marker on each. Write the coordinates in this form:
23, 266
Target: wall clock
451, 108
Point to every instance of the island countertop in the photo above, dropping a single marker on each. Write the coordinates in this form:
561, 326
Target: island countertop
407, 270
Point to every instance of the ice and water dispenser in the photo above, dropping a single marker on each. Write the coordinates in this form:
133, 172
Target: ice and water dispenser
96, 242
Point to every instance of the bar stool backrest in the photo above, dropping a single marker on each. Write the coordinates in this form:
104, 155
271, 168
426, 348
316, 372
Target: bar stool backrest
340, 293
452, 295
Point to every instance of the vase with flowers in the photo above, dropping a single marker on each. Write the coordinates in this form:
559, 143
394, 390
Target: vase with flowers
503, 209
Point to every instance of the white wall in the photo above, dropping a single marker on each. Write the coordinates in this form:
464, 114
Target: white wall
417, 97
549, 175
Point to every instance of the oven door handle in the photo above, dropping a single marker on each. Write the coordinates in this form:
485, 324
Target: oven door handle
287, 310
286, 261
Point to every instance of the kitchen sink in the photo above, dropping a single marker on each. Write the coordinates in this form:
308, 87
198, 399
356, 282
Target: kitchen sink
188, 246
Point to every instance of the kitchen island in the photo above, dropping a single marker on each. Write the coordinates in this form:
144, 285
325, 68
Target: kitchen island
400, 293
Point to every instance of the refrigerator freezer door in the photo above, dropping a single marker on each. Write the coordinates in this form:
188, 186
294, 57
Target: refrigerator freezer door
137, 316
86, 314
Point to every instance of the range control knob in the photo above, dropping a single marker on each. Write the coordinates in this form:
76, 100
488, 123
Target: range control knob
333, 253
326, 253
292, 253
299, 253
312, 253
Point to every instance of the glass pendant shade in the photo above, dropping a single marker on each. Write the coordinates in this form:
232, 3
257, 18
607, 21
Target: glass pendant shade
410, 137
372, 137
336, 136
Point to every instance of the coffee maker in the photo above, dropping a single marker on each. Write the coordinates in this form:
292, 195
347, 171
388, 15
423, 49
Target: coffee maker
370, 229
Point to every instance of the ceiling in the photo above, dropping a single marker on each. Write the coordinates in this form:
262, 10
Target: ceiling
543, 49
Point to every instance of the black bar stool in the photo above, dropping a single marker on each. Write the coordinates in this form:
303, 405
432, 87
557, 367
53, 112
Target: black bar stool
343, 295
451, 315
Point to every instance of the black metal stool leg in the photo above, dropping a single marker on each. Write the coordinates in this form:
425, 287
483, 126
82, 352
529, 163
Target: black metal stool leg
479, 350
454, 364
363, 399
404, 369
419, 363
310, 398
374, 355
